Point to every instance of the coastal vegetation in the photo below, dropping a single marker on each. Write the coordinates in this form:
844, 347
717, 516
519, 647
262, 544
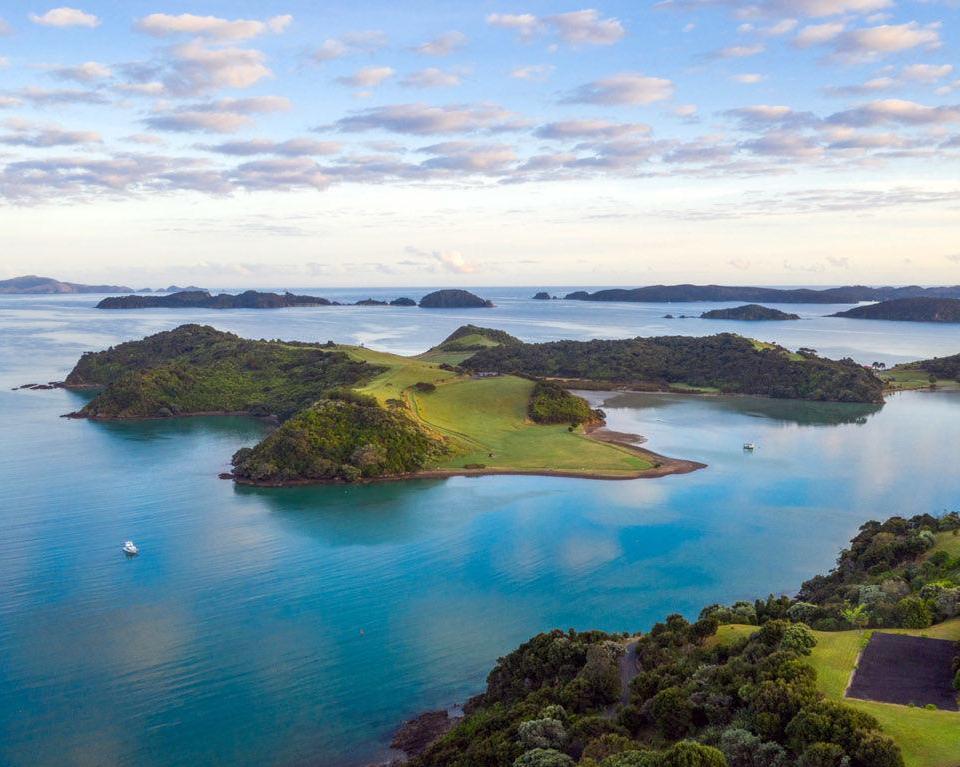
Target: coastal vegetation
723, 363
750, 685
201, 299
848, 294
939, 372
922, 309
750, 313
454, 299
551, 403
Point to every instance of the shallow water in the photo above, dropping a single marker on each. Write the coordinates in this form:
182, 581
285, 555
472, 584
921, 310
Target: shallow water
298, 626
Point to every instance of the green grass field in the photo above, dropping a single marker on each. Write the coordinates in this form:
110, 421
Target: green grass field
906, 379
927, 738
484, 416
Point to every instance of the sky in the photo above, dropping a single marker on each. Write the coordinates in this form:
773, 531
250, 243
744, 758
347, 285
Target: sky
308, 144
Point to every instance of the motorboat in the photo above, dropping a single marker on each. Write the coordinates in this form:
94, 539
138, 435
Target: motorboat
130, 549
749, 446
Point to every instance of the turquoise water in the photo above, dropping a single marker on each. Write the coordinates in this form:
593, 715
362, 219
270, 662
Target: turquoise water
298, 626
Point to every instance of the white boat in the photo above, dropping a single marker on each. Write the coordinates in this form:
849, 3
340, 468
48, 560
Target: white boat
130, 549
749, 446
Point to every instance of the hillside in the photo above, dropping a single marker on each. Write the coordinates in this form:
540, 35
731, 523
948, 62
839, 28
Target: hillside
939, 372
750, 313
350, 413
33, 285
750, 685
908, 310
725, 362
850, 294
201, 299
454, 299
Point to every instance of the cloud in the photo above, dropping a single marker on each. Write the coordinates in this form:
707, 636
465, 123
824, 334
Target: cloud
534, 72
166, 25
453, 261
65, 17
739, 51
908, 77
763, 116
926, 73
781, 8
280, 174
194, 68
592, 129
749, 78
872, 42
584, 27
7, 102
364, 41
47, 97
898, 111
222, 116
297, 147
431, 77
443, 45
785, 144
818, 34
30, 135
469, 156
367, 77
147, 139
5, 28
83, 73
623, 88
422, 119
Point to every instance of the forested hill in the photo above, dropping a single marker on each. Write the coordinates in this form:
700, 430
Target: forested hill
849, 294
725, 362
201, 299
750, 313
908, 310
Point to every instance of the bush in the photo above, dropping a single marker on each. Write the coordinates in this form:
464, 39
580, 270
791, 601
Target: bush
913, 613
550, 403
671, 712
543, 757
425, 387
690, 754
541, 733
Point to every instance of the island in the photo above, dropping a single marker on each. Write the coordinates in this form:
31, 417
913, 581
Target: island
849, 294
403, 301
33, 285
543, 296
480, 402
908, 310
454, 299
772, 682
201, 299
936, 373
749, 313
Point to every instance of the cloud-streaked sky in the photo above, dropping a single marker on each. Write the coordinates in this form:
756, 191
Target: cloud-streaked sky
299, 143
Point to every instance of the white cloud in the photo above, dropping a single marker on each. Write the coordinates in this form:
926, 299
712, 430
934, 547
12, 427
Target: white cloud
739, 51
367, 77
443, 45
623, 88
87, 72
573, 129
469, 156
431, 77
165, 25
535, 72
424, 119
926, 73
888, 38
352, 43
453, 261
818, 34
297, 147
26, 134
584, 27
65, 17
221, 116
5, 28
196, 68
897, 111
749, 78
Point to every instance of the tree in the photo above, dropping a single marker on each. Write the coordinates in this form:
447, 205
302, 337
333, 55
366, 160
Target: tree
856, 616
541, 733
690, 754
913, 613
671, 712
543, 757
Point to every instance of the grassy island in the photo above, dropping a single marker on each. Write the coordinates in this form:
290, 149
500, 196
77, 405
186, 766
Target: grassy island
753, 684
481, 402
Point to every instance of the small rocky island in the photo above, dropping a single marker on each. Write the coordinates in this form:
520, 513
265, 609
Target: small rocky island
908, 310
201, 299
749, 313
454, 299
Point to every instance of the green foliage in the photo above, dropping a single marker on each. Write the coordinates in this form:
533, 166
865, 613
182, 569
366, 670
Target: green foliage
550, 403
472, 338
690, 754
425, 387
913, 613
197, 369
543, 757
541, 733
349, 437
725, 362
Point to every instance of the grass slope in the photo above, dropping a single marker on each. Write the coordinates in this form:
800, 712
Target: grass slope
927, 738
480, 416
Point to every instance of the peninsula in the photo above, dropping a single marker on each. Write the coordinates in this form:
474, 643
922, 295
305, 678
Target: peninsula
33, 285
749, 313
201, 299
481, 402
850, 294
908, 310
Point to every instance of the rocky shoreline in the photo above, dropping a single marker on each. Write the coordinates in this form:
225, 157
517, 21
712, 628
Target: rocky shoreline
416, 735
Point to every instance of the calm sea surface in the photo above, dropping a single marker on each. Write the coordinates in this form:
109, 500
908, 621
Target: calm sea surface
299, 626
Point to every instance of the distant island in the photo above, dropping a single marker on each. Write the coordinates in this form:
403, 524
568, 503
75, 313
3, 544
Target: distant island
543, 296
201, 299
481, 402
454, 299
33, 285
750, 313
908, 310
850, 294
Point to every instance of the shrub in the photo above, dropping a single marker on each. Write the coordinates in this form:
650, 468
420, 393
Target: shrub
541, 733
543, 757
671, 712
425, 387
913, 613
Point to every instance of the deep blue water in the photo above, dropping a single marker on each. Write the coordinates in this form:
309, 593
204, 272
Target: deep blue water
298, 626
